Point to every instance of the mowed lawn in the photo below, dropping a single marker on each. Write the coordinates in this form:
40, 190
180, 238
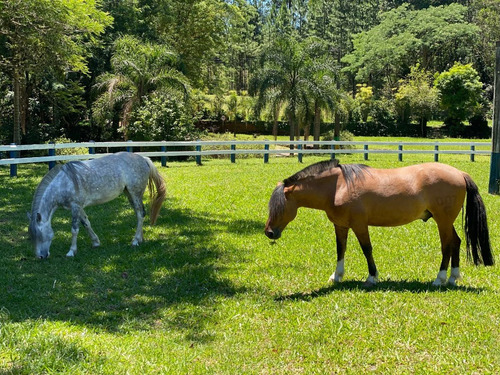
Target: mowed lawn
208, 293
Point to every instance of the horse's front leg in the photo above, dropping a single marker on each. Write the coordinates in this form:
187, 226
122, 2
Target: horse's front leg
364, 240
341, 239
75, 227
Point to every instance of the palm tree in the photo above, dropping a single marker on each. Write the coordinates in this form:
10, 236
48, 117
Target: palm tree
322, 92
139, 70
291, 76
280, 80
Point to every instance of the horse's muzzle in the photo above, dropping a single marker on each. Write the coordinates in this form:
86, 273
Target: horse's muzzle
273, 234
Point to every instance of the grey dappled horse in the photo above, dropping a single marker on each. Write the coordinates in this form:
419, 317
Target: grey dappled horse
78, 184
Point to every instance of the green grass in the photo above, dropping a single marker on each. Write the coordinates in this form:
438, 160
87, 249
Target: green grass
207, 293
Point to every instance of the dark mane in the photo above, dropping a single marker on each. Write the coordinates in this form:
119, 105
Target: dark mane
350, 171
277, 202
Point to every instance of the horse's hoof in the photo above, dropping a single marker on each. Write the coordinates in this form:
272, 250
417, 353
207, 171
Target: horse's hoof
371, 281
70, 254
96, 244
440, 279
335, 279
438, 282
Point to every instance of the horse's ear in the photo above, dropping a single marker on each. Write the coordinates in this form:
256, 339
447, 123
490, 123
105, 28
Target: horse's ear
288, 190
38, 217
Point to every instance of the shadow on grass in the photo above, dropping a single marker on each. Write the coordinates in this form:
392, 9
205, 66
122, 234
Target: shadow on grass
407, 286
174, 280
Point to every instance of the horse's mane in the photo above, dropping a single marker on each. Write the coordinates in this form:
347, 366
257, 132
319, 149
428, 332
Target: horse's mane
42, 186
350, 172
69, 168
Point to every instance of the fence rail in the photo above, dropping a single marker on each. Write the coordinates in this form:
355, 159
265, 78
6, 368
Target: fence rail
198, 149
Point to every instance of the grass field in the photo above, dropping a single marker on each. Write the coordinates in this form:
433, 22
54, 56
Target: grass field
208, 293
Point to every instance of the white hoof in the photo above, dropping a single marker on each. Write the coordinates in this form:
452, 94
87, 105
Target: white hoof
440, 279
96, 243
339, 273
71, 253
438, 282
335, 278
371, 280
454, 276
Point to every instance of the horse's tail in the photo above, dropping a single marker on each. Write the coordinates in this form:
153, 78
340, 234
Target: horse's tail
156, 182
476, 226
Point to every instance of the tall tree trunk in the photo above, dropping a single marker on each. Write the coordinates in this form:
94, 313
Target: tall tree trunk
291, 123
307, 131
317, 123
275, 123
423, 124
25, 90
336, 132
17, 107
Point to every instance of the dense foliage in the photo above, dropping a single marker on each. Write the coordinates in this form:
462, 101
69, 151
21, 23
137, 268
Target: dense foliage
94, 69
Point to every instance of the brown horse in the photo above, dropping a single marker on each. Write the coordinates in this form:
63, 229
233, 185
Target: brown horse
355, 196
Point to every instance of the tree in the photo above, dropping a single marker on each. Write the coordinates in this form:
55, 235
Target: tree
418, 93
195, 29
139, 69
432, 37
45, 35
459, 92
287, 76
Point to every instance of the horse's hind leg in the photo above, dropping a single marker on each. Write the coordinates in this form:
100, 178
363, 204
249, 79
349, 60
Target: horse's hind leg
341, 239
135, 200
450, 248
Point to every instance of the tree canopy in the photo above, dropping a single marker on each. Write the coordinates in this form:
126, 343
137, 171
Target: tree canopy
89, 68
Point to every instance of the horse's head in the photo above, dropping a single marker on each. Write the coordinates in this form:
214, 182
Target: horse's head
41, 235
282, 210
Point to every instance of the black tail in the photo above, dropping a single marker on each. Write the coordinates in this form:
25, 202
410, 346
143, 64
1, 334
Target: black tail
476, 226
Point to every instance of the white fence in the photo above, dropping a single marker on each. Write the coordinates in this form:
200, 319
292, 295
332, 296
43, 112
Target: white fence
12, 155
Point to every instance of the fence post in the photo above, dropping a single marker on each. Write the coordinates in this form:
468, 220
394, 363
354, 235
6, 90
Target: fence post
332, 147
400, 155
472, 148
52, 152
366, 153
436, 153
266, 154
493, 185
130, 148
163, 157
13, 167
299, 146
233, 156
198, 157
92, 148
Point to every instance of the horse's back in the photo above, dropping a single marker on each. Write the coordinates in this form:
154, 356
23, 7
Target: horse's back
107, 177
391, 197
